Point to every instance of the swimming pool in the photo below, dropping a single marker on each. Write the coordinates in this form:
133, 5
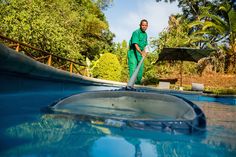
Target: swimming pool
27, 131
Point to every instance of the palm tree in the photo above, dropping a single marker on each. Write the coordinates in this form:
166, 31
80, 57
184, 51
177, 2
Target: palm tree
177, 34
218, 26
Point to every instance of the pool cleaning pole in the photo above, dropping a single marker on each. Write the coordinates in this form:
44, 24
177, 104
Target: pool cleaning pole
132, 80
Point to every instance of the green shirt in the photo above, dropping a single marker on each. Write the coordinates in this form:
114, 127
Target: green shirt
138, 37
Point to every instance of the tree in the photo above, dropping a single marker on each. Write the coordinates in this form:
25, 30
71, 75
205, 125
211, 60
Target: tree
177, 34
218, 25
212, 24
103, 4
74, 29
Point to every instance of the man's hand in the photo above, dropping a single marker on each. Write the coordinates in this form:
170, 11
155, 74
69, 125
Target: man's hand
143, 53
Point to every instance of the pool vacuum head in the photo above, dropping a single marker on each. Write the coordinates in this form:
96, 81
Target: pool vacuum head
141, 110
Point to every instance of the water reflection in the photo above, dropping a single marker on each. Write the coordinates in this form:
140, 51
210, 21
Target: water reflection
55, 136
61, 136
221, 121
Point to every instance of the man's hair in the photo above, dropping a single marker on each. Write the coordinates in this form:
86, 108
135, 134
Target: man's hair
143, 20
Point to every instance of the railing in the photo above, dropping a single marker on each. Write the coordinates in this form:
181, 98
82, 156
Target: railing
45, 57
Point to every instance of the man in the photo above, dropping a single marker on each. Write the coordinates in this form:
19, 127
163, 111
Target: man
137, 45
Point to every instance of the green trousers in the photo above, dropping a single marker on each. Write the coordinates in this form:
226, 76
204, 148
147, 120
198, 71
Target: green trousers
133, 61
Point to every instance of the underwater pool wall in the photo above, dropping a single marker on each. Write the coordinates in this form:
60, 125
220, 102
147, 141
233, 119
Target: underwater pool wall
20, 73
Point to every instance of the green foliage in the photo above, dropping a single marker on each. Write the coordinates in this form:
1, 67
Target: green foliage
107, 67
73, 29
121, 50
189, 68
177, 34
150, 75
103, 4
220, 91
216, 22
232, 22
204, 24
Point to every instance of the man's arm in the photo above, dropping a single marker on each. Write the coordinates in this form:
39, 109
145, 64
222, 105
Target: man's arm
143, 53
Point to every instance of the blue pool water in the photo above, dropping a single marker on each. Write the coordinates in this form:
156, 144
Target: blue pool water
28, 131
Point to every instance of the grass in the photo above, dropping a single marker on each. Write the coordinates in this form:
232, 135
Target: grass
211, 90
221, 91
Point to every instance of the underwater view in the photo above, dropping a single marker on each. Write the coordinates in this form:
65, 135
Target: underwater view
26, 130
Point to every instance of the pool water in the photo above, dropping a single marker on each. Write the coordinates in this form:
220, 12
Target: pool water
27, 131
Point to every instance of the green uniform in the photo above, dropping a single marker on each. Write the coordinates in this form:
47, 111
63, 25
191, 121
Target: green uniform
138, 37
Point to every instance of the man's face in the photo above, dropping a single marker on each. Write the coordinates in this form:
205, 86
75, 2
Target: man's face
144, 26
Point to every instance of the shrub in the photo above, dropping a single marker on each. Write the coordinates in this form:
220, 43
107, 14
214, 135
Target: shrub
107, 67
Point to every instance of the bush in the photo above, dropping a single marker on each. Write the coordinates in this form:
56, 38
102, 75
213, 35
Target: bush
150, 77
107, 67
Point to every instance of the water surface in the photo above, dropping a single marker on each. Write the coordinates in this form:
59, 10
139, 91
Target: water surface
27, 131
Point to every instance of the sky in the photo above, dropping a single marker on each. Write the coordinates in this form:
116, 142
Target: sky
124, 17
